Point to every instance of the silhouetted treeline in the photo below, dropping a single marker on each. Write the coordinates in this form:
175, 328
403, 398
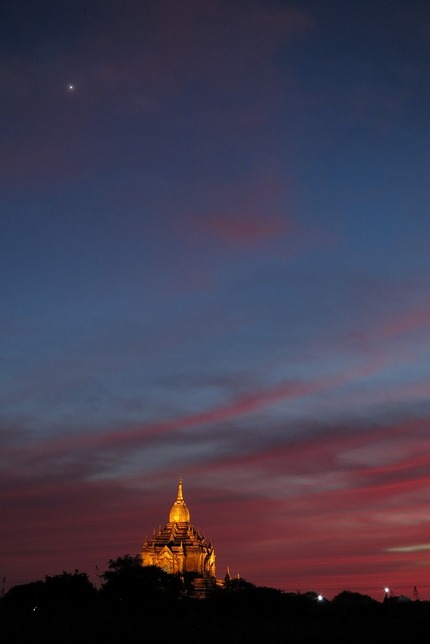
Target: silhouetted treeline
136, 604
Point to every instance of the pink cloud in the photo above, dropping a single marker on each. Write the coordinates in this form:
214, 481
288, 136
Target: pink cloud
406, 323
245, 229
244, 211
64, 518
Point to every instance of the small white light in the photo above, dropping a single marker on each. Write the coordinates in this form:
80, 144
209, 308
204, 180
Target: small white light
320, 598
386, 589
71, 87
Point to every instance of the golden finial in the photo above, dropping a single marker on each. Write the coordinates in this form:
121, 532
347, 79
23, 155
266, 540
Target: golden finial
180, 496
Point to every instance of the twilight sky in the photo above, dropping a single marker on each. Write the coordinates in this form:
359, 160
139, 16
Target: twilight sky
214, 262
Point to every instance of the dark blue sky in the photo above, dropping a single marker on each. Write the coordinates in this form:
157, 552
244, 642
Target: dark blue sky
214, 262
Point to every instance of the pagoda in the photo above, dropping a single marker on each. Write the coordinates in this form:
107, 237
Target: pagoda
179, 547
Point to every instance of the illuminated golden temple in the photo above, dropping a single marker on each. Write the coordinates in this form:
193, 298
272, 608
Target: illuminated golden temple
179, 547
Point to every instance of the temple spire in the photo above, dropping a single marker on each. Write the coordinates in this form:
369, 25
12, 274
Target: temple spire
180, 496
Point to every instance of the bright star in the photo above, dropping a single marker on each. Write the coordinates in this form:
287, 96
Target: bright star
70, 88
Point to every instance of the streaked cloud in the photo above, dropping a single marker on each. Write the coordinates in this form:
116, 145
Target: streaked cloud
417, 548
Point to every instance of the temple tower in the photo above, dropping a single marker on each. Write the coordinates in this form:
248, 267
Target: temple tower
179, 547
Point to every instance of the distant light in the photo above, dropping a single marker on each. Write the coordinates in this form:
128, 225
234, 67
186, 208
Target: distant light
70, 88
320, 598
386, 589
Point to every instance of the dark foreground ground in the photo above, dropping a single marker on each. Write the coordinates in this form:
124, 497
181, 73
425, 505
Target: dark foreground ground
263, 617
158, 608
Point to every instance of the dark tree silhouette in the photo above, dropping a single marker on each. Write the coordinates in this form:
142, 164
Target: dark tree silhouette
59, 592
59, 609
349, 598
128, 583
